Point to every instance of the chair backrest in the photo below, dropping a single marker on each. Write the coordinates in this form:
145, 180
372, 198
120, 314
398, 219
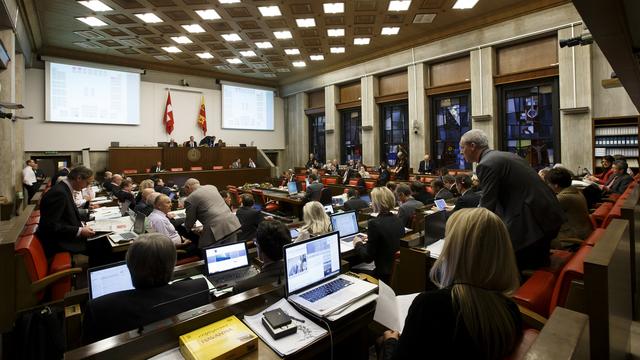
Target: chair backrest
129, 171
29, 230
572, 270
615, 213
35, 260
218, 167
528, 337
565, 336
353, 182
370, 184
330, 180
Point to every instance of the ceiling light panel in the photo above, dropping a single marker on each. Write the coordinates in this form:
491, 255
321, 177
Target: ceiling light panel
231, 37
86, 45
149, 18
465, 4
299, 64
228, 1
337, 50
234, 61
335, 32
171, 49
399, 5
264, 45
361, 41
269, 11
193, 28
208, 14
316, 57
89, 34
132, 42
95, 5
205, 55
306, 23
286, 34
292, 51
424, 18
333, 8
181, 39
92, 21
248, 53
392, 30
163, 57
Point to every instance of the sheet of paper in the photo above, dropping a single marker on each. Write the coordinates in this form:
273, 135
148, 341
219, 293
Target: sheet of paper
353, 307
435, 249
172, 354
345, 246
391, 310
308, 332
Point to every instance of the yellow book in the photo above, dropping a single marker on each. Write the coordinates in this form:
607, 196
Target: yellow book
225, 339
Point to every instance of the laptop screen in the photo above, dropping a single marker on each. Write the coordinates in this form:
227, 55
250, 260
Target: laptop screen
441, 204
434, 225
311, 262
226, 257
292, 187
138, 225
345, 223
328, 209
108, 279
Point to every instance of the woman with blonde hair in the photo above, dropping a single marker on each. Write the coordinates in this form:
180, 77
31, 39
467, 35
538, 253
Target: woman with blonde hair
316, 221
471, 315
383, 234
144, 184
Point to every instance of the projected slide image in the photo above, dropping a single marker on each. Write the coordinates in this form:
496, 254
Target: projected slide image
246, 108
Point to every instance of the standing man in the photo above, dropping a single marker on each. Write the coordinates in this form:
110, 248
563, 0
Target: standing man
191, 143
426, 165
514, 191
29, 179
204, 203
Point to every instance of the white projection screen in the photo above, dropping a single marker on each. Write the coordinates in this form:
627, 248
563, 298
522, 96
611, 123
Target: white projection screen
247, 108
91, 95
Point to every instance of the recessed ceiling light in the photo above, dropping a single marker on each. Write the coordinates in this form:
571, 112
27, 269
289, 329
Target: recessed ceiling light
248, 53
283, 70
465, 4
86, 45
95, 5
208, 14
264, 45
231, 37
316, 57
392, 30
269, 75
292, 51
149, 18
89, 34
92, 21
361, 41
181, 39
299, 63
424, 18
335, 32
228, 1
305, 23
223, 67
205, 55
132, 42
269, 10
193, 28
399, 5
333, 8
337, 50
171, 49
163, 57
234, 61
285, 34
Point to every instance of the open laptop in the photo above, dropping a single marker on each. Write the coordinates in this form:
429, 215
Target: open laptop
228, 264
313, 279
346, 224
138, 229
440, 204
108, 279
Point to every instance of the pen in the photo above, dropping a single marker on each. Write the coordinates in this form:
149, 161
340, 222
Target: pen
296, 319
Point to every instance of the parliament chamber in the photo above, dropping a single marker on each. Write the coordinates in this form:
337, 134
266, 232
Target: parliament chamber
361, 179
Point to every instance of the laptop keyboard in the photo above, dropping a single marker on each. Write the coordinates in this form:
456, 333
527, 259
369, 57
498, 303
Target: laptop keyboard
128, 236
326, 289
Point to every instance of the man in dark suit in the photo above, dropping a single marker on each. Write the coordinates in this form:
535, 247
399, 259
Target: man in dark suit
408, 204
116, 181
314, 190
63, 171
439, 191
106, 184
420, 193
354, 202
60, 227
514, 191
450, 184
191, 143
620, 179
172, 143
385, 176
249, 218
151, 260
157, 167
469, 198
426, 165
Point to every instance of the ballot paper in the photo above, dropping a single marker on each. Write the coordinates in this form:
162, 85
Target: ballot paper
391, 310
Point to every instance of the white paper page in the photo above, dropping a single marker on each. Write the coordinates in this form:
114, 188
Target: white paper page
404, 303
391, 310
172, 354
353, 307
435, 249
345, 246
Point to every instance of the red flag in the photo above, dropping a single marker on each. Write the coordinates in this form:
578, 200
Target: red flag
167, 120
202, 117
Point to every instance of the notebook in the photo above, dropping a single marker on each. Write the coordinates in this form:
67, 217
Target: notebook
108, 279
313, 280
228, 264
138, 229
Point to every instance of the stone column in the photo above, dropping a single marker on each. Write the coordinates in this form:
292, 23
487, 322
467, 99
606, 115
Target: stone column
419, 126
332, 122
370, 115
298, 130
483, 94
18, 137
10, 169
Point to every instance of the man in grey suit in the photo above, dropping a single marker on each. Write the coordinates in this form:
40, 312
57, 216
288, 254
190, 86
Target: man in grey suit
204, 203
513, 190
314, 190
408, 206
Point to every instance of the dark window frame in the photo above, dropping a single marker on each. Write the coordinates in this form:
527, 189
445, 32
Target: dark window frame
345, 116
384, 132
317, 136
434, 100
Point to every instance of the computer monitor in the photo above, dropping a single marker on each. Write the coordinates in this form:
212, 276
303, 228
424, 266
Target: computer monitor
312, 261
222, 258
345, 223
107, 279
292, 187
434, 225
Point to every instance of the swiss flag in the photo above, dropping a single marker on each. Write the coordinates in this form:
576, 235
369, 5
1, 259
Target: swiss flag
167, 120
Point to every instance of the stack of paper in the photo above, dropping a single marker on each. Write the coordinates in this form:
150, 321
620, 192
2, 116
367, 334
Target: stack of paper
435, 249
391, 310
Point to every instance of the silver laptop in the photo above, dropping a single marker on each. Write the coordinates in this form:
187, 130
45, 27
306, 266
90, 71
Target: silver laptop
138, 229
346, 224
107, 279
313, 279
228, 264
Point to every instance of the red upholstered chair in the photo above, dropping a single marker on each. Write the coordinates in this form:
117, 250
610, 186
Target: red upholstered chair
129, 171
33, 220
176, 169
573, 270
218, 167
193, 168
528, 337
370, 184
35, 213
353, 182
268, 206
301, 178
41, 276
235, 196
330, 181
601, 212
615, 213
147, 170
29, 230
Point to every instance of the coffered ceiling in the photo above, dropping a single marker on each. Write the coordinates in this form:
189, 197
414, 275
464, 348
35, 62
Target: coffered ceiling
127, 39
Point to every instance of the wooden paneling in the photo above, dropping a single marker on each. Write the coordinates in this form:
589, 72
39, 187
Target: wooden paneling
316, 99
393, 84
444, 89
535, 54
219, 178
450, 72
138, 158
526, 75
392, 98
350, 93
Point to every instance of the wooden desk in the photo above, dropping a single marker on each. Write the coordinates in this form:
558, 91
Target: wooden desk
219, 178
296, 204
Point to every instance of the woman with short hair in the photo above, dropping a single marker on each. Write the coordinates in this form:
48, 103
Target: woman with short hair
316, 221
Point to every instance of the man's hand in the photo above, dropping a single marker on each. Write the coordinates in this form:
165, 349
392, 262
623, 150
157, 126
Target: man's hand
87, 232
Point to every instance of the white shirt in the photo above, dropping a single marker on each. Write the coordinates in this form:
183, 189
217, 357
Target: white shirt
252, 164
28, 176
160, 223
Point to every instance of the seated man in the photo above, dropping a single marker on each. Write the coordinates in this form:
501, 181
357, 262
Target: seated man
125, 194
116, 181
160, 223
236, 164
572, 202
271, 237
142, 206
151, 260
450, 184
226, 196
420, 193
249, 218
354, 202
106, 184
157, 167
408, 204
439, 191
469, 198
60, 227
191, 143
251, 164
314, 190
160, 187
172, 143
620, 179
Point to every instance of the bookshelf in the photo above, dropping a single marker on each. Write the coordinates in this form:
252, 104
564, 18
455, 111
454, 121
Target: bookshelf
615, 136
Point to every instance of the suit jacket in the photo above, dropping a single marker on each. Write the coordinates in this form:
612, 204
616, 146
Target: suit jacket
314, 191
407, 209
383, 233
107, 186
444, 194
206, 204
619, 183
272, 273
402, 168
190, 144
424, 197
574, 205
156, 169
173, 144
249, 219
62, 172
384, 177
470, 199
122, 311
59, 221
425, 166
355, 204
126, 196
142, 207
514, 191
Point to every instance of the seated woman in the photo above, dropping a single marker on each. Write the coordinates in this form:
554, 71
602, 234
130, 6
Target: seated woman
471, 315
383, 234
125, 194
607, 171
316, 221
160, 223
144, 184
271, 237
150, 259
573, 203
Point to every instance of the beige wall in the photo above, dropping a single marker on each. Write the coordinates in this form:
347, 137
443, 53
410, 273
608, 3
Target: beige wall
11, 133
